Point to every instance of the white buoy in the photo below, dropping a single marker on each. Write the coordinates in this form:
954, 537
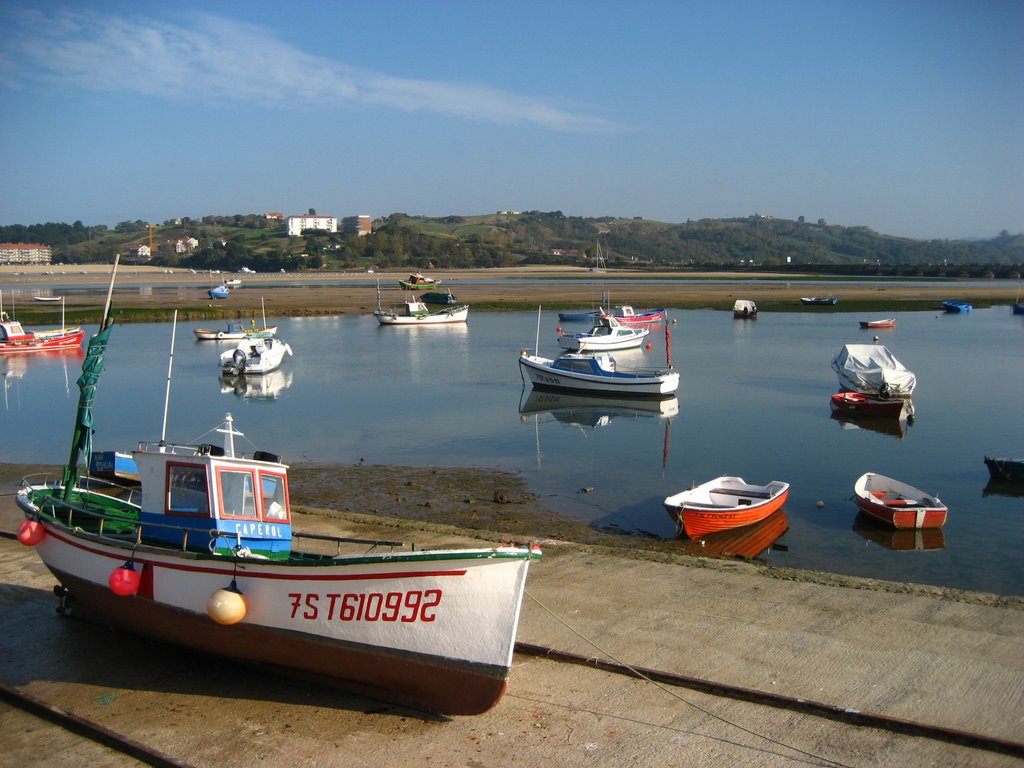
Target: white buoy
226, 606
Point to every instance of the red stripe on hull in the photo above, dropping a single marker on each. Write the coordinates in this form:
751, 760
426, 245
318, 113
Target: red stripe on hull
415, 681
903, 518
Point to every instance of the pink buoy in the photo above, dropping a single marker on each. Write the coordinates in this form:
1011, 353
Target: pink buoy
31, 532
124, 580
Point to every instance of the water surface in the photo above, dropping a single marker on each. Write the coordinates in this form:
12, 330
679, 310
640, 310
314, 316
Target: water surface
753, 402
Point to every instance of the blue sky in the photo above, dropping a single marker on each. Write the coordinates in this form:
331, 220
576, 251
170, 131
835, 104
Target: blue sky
903, 116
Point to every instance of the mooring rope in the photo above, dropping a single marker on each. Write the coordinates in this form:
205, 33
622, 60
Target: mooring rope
677, 696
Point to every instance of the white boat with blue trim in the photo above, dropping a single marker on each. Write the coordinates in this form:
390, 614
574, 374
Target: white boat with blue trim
606, 335
597, 373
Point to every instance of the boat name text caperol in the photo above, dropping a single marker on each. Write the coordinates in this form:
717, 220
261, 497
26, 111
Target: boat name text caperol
265, 530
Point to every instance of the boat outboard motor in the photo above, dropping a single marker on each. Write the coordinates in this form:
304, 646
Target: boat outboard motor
238, 359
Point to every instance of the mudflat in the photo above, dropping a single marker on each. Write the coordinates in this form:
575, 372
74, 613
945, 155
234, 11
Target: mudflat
324, 293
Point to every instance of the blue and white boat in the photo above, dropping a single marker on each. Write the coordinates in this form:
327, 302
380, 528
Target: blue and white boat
597, 373
957, 307
579, 317
219, 292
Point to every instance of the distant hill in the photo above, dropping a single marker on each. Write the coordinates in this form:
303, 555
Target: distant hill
531, 237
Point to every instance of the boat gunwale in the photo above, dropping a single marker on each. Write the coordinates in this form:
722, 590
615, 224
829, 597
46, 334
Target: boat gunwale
296, 558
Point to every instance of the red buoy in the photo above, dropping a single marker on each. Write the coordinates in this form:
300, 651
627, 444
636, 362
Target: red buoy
648, 346
558, 329
124, 580
30, 532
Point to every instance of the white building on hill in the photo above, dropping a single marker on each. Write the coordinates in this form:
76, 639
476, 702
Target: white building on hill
299, 224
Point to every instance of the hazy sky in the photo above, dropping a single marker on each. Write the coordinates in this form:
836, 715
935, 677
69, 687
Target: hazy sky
903, 116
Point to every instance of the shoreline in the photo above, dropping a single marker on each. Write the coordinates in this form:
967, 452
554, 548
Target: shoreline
312, 293
497, 506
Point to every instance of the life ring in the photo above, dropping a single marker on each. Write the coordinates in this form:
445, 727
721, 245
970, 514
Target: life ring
220, 334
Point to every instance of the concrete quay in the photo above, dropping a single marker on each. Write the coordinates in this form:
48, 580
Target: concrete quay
942, 670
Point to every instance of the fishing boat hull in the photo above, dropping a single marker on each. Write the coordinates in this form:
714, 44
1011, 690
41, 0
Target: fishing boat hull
889, 322
957, 307
1008, 470
417, 282
441, 317
629, 316
897, 504
819, 300
857, 403
42, 341
432, 631
724, 503
582, 342
232, 333
585, 373
579, 317
606, 335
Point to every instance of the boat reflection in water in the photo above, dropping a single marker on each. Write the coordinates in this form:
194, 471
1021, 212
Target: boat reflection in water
267, 386
593, 410
884, 425
1003, 488
14, 367
899, 540
747, 542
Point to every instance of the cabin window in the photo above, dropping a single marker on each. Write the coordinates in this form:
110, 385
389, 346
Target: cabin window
237, 493
274, 491
187, 492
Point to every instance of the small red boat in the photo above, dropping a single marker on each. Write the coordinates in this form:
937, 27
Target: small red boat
889, 322
898, 504
14, 338
867, 405
724, 503
629, 315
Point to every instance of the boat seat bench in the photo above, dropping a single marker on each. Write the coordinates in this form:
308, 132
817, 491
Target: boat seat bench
737, 492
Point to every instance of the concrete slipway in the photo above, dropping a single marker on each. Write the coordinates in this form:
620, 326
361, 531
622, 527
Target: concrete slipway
930, 663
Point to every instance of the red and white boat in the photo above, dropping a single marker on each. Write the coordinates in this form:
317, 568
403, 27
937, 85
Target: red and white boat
630, 316
889, 322
724, 503
898, 504
201, 554
14, 338
858, 403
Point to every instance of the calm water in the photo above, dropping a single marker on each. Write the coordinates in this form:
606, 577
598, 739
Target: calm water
753, 402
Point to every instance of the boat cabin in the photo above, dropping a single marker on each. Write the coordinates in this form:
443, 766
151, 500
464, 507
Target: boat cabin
208, 498
12, 331
410, 309
595, 365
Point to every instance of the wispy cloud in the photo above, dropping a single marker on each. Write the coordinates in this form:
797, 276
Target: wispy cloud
218, 60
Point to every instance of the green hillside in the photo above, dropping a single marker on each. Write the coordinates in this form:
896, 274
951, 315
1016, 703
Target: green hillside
531, 237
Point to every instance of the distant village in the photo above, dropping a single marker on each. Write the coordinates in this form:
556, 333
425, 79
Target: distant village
141, 253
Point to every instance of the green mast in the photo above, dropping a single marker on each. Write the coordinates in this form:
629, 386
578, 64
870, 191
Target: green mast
92, 367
